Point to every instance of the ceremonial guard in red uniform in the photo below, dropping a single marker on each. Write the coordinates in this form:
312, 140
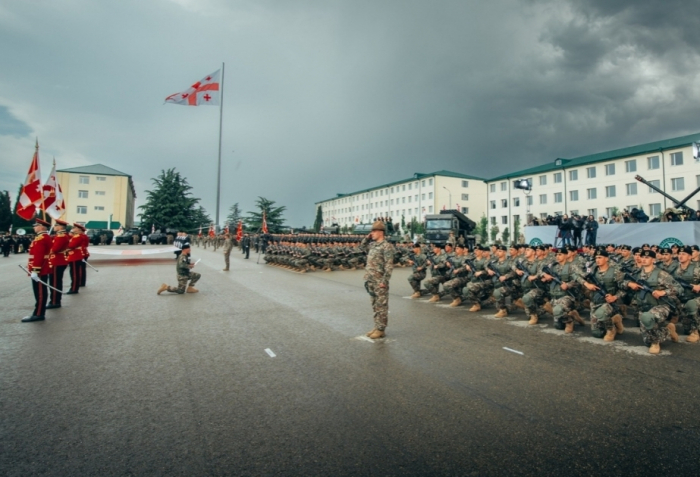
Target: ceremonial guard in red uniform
57, 260
39, 267
74, 257
83, 263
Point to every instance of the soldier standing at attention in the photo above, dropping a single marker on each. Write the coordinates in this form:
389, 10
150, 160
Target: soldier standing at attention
39, 267
380, 264
57, 260
184, 274
228, 245
74, 257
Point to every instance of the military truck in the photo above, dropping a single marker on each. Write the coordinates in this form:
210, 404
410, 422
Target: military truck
439, 226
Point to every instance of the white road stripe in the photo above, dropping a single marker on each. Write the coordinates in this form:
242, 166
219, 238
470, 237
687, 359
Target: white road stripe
514, 351
269, 351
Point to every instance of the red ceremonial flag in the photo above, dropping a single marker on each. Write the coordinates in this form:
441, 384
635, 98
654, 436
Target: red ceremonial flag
264, 224
211, 231
239, 231
206, 91
200, 231
53, 204
31, 191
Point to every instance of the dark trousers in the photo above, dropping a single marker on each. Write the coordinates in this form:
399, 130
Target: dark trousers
40, 295
75, 271
57, 283
83, 271
247, 251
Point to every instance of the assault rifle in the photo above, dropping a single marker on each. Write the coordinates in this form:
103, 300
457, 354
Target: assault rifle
685, 284
526, 273
556, 278
600, 294
646, 290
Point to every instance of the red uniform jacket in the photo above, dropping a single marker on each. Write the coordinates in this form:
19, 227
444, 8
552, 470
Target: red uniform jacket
39, 252
85, 244
75, 252
60, 244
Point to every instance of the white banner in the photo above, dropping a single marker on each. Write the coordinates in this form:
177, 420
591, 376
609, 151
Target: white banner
148, 251
664, 234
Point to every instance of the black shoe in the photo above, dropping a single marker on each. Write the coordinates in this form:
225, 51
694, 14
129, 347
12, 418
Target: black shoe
29, 319
72, 292
51, 306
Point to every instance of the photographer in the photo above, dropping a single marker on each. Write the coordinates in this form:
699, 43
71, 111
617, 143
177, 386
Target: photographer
638, 215
591, 227
565, 227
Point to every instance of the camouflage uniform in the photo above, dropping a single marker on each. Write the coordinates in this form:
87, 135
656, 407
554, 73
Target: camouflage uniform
602, 312
459, 278
502, 289
419, 272
438, 271
228, 244
690, 300
480, 287
184, 275
654, 313
562, 301
380, 264
533, 296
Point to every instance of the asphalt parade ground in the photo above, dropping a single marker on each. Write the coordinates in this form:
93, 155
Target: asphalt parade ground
266, 371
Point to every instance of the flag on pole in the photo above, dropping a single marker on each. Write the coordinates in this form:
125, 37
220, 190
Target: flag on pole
211, 231
54, 205
120, 231
206, 91
200, 231
239, 231
264, 224
31, 191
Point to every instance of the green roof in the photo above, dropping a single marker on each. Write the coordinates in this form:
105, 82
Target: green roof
647, 148
98, 169
416, 176
102, 224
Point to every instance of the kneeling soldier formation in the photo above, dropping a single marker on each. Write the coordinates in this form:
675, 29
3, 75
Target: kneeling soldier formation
184, 274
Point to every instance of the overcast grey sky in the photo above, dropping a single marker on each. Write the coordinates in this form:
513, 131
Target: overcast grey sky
325, 97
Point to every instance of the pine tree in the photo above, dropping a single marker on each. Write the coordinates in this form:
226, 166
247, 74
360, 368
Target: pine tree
170, 204
318, 223
483, 230
505, 236
273, 216
234, 215
5, 211
201, 219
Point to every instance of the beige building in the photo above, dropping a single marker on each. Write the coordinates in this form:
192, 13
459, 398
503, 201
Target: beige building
98, 194
409, 198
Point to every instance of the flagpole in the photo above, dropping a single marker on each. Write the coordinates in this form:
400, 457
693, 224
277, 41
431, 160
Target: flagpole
43, 207
218, 173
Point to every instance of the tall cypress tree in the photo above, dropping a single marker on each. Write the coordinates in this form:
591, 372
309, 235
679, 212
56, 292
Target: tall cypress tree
319, 219
5, 211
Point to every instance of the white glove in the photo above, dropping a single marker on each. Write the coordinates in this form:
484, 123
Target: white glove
35, 276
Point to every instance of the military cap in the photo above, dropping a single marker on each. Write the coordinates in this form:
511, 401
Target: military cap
686, 249
636, 250
695, 247
562, 250
502, 247
185, 245
625, 247
459, 245
665, 250
61, 222
541, 247
81, 227
38, 221
602, 253
378, 225
436, 245
648, 253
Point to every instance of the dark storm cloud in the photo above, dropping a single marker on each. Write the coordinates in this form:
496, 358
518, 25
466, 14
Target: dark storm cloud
9, 125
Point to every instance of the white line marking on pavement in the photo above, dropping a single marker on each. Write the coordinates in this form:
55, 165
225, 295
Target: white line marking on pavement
514, 351
269, 351
365, 338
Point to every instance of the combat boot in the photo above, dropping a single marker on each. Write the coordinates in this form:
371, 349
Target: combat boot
475, 307
569, 327
416, 295
456, 302
548, 308
617, 321
192, 290
376, 334
693, 337
610, 334
502, 313
671, 327
225, 270
623, 310
370, 332
162, 288
434, 299
574, 314
533, 320
519, 303
655, 348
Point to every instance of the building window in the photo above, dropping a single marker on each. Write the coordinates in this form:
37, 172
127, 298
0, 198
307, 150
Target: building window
465, 184
504, 203
654, 210
592, 193
610, 211
573, 175
543, 198
465, 196
543, 180
493, 220
631, 166
653, 162
403, 188
99, 192
631, 188
557, 177
678, 184
557, 197
610, 191
656, 183
403, 200
677, 158
516, 202
529, 200
697, 180
590, 172
422, 183
465, 210
82, 194
430, 195
493, 204
430, 209
504, 186
99, 207
430, 182
100, 178
422, 197
81, 209
593, 212
84, 179
504, 219
492, 187
573, 195
609, 169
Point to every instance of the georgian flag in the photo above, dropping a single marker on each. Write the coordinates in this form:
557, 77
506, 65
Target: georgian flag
206, 91
264, 224
31, 191
54, 205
